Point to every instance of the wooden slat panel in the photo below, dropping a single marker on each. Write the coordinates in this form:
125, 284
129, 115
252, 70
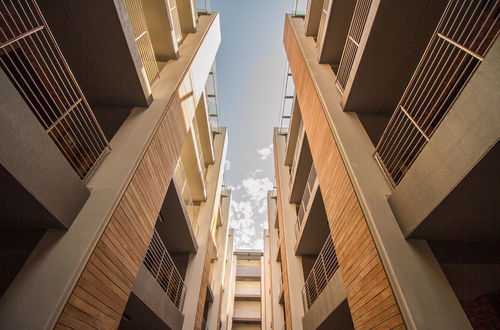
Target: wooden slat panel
369, 294
282, 244
100, 296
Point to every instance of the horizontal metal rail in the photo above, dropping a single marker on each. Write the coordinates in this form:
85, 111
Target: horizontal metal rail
322, 271
30, 57
464, 34
162, 267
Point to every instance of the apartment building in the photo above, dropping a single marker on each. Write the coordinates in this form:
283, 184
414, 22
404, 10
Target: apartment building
245, 292
385, 213
112, 198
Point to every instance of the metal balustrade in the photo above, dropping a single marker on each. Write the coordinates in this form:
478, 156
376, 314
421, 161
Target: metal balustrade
323, 22
296, 154
299, 8
30, 57
143, 40
304, 203
162, 267
322, 271
182, 184
174, 13
464, 34
199, 149
352, 42
213, 101
287, 100
203, 7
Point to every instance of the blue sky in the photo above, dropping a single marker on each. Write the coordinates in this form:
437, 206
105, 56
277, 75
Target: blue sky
250, 70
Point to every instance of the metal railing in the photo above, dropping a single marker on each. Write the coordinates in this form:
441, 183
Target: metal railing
162, 267
174, 13
296, 154
143, 40
183, 185
323, 22
199, 149
306, 197
287, 98
31, 59
352, 42
213, 101
464, 34
203, 7
322, 271
299, 8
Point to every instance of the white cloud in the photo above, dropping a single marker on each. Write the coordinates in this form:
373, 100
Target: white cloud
257, 188
248, 210
265, 152
227, 165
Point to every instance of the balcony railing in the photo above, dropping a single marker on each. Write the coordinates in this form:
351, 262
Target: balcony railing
288, 94
203, 7
352, 42
161, 266
296, 154
464, 34
213, 101
323, 270
299, 8
199, 148
183, 185
174, 13
31, 59
304, 203
143, 40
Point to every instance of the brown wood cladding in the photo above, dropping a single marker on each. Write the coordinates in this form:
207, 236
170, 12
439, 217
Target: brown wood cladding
284, 265
369, 294
100, 295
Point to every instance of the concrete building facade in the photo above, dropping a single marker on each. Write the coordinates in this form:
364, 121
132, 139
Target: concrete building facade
112, 198
384, 214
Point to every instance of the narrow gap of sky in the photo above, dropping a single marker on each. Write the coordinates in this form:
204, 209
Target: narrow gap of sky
251, 66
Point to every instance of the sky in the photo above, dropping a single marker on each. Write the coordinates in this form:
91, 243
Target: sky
251, 66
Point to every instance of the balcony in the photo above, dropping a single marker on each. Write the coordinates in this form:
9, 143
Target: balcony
247, 273
450, 60
299, 171
182, 186
36, 67
323, 295
158, 294
322, 271
162, 267
305, 204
